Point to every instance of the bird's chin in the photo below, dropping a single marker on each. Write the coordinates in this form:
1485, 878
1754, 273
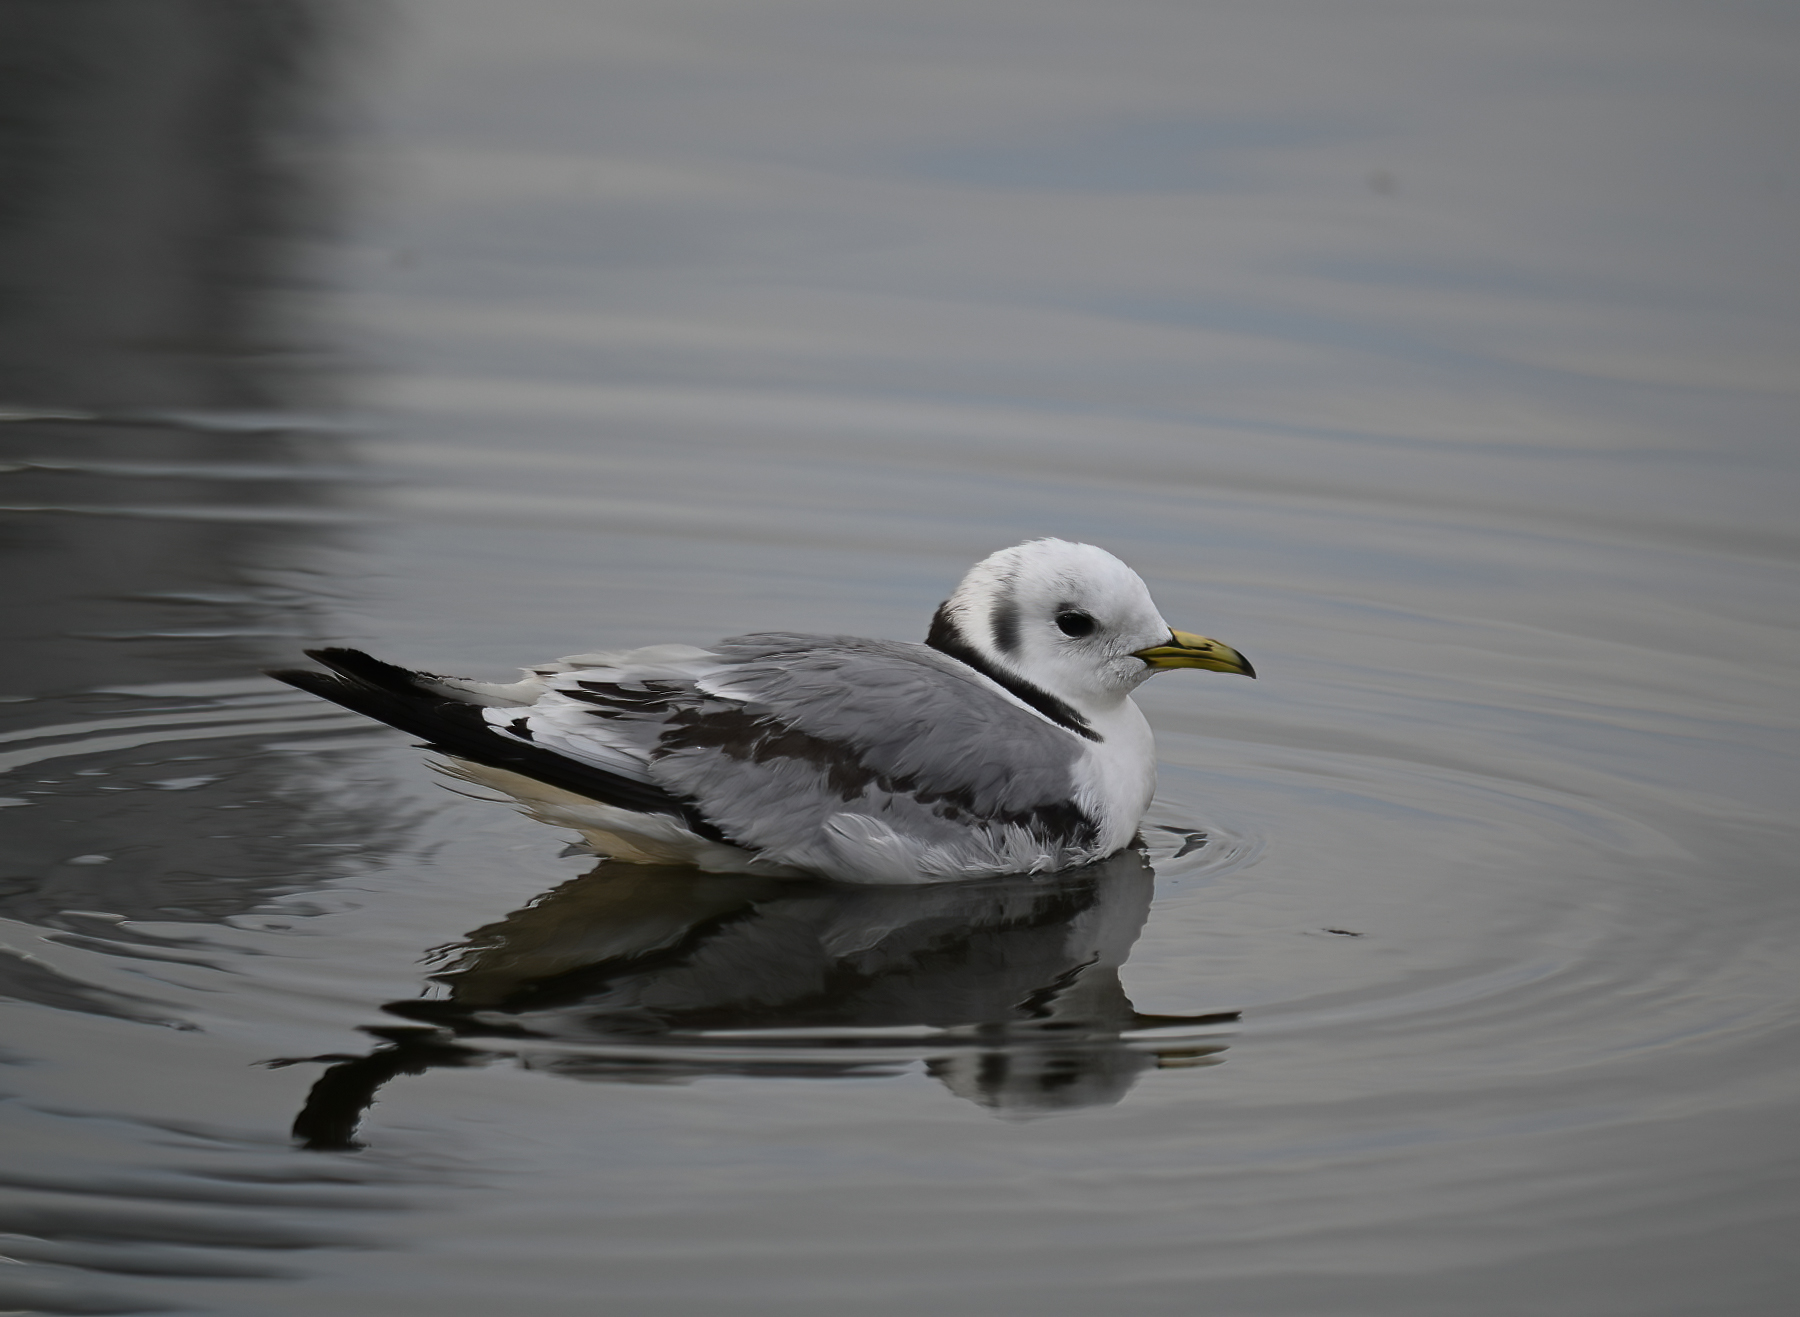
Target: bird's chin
1127, 674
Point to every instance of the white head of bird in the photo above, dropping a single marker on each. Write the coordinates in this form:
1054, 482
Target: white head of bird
1072, 620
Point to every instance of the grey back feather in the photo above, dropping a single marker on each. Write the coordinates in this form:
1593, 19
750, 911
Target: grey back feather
803, 746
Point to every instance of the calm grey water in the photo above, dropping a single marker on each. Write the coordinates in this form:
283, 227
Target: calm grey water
1440, 357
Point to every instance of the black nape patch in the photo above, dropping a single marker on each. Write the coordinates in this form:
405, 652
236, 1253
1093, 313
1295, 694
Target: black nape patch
944, 632
947, 638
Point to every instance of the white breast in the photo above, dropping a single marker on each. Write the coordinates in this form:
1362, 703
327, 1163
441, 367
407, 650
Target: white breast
1116, 778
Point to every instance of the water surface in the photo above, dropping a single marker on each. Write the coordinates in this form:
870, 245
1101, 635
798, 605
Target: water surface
1440, 360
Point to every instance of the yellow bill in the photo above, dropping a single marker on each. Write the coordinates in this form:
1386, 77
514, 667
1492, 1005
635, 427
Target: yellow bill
1187, 650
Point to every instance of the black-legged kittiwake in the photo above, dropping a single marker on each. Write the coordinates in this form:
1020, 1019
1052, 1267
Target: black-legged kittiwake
1007, 743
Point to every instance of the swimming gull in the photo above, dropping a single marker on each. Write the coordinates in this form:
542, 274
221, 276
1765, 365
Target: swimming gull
1007, 743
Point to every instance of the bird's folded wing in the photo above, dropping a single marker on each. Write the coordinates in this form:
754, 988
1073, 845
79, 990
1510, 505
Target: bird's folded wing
773, 736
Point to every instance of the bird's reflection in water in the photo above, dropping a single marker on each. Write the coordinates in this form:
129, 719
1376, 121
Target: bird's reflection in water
1006, 989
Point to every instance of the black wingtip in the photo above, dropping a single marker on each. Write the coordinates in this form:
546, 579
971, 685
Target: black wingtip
369, 670
397, 697
306, 679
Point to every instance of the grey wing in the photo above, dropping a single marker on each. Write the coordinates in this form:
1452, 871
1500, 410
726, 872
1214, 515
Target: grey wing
861, 758
834, 751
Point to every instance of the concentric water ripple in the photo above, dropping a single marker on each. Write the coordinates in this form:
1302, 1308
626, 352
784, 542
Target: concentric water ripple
1439, 360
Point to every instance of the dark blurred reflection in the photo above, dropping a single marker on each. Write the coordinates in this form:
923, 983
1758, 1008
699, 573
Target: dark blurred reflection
164, 502
166, 491
158, 158
1007, 990
161, 164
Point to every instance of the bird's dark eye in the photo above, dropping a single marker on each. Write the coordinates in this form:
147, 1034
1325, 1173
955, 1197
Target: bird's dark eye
1073, 622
